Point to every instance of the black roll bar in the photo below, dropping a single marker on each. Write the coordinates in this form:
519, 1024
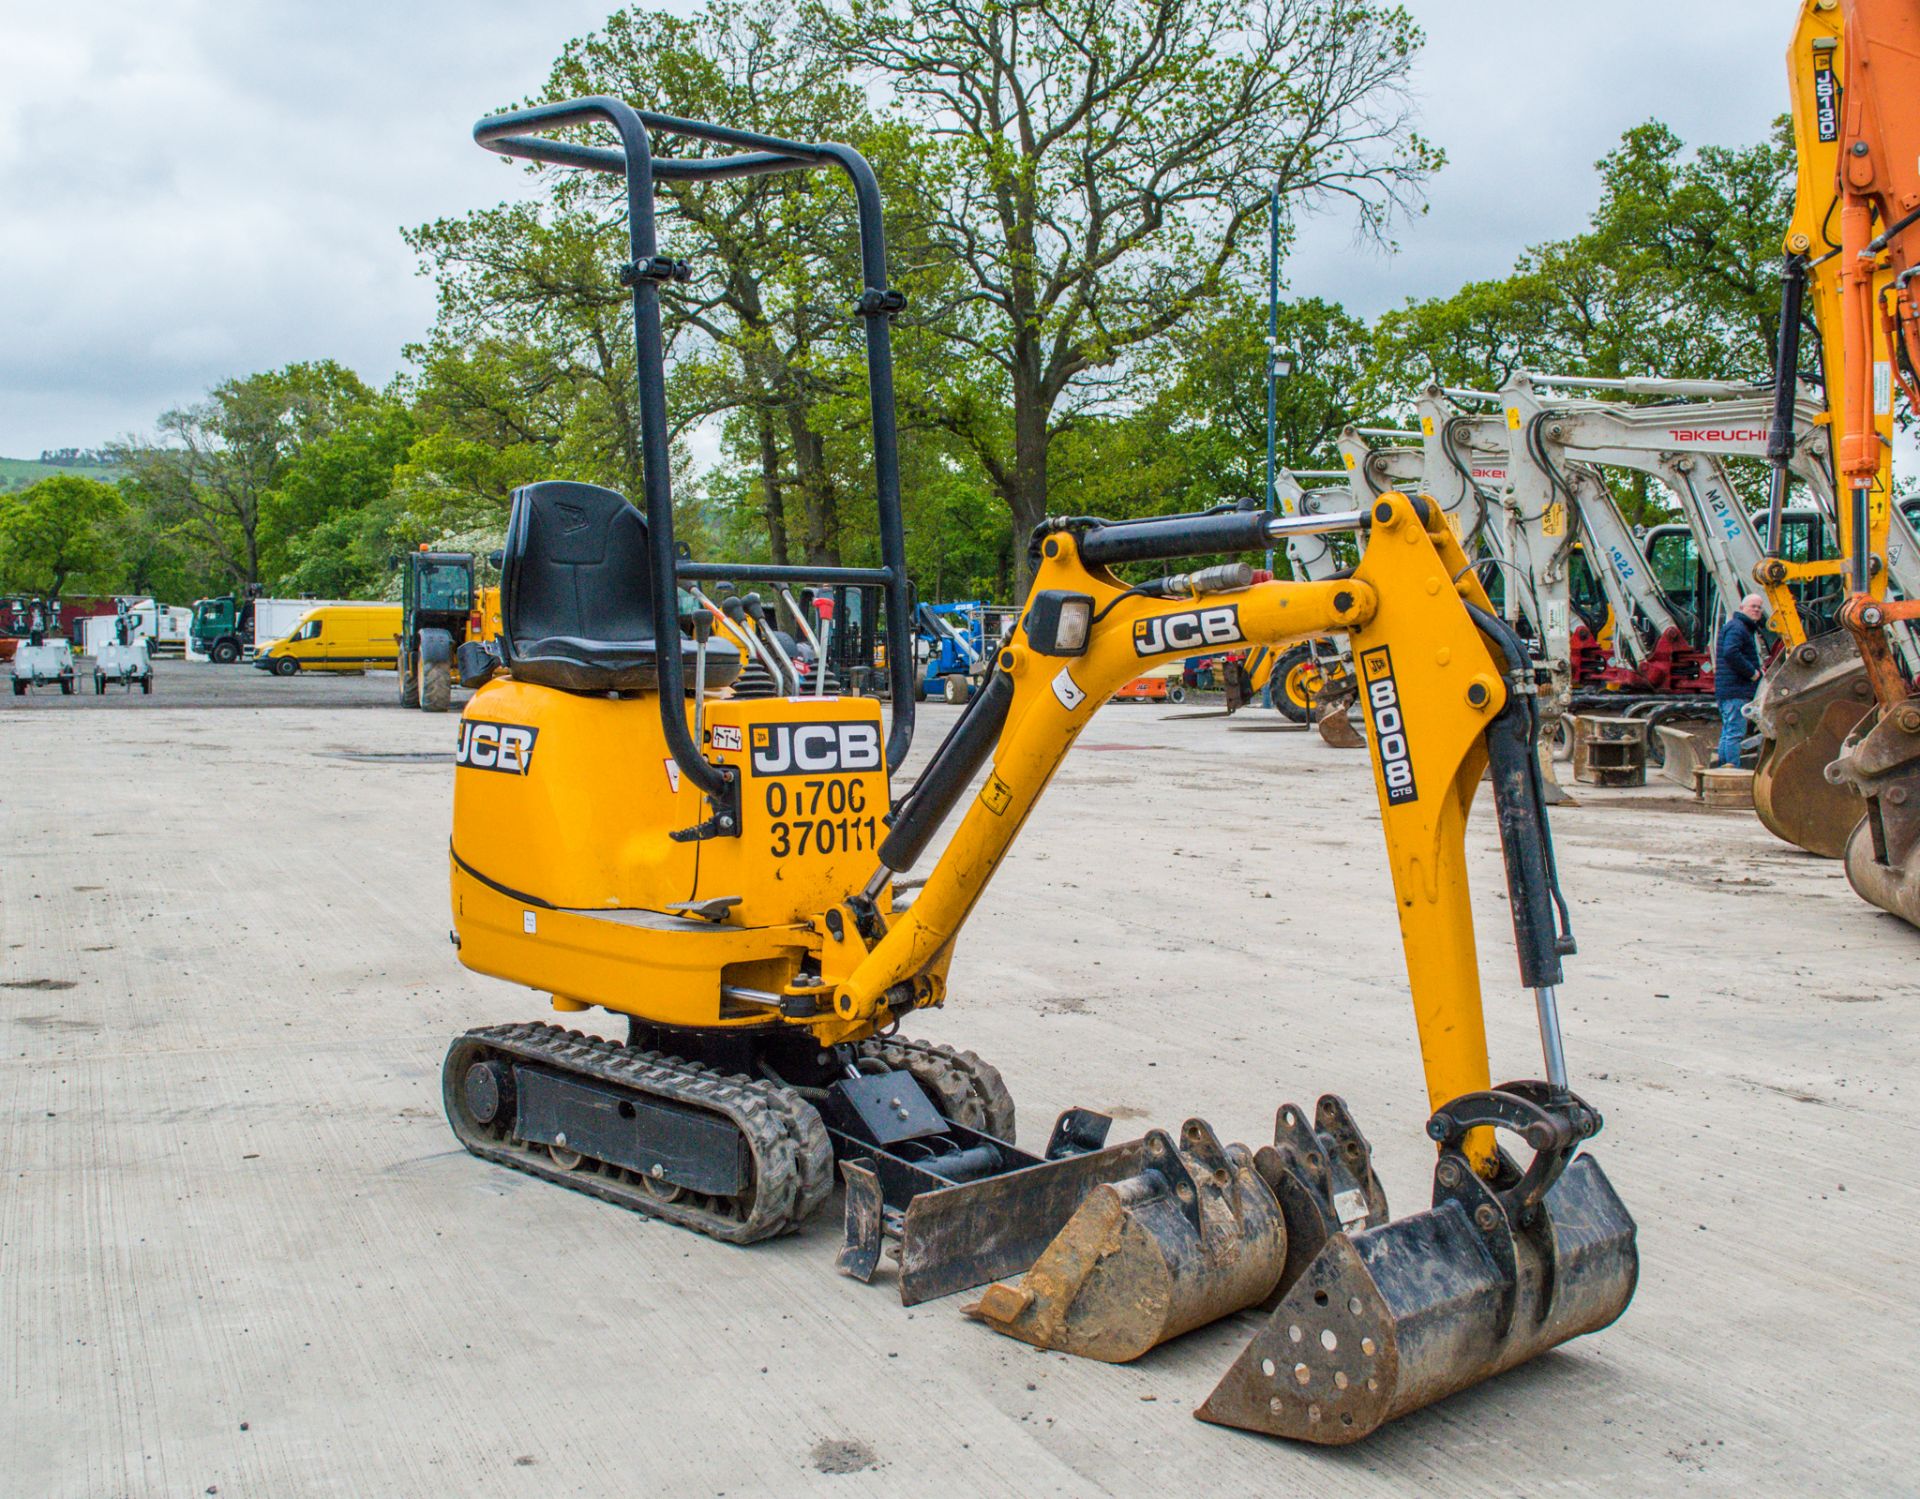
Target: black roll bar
521, 133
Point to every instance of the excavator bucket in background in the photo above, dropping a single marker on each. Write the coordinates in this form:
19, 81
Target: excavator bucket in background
1810, 700
1881, 765
1194, 1236
1333, 714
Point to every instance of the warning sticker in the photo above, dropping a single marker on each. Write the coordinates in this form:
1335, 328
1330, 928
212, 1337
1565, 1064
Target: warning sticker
997, 794
673, 773
1068, 691
1553, 521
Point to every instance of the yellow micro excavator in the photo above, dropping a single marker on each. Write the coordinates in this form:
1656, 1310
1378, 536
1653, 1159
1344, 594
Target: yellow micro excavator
1816, 691
728, 875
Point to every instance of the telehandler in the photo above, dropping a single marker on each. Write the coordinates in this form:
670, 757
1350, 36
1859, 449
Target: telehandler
729, 875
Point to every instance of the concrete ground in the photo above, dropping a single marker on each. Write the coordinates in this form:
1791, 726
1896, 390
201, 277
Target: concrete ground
240, 1254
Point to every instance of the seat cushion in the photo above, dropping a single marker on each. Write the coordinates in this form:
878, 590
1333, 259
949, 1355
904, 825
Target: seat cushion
577, 595
576, 665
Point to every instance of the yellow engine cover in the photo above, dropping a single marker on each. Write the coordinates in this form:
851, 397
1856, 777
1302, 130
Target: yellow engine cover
563, 867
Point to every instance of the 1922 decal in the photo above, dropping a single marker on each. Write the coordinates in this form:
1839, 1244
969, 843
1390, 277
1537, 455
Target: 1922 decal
1389, 725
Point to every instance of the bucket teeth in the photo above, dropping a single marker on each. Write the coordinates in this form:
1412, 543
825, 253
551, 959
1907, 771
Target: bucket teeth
1197, 1234
1322, 1175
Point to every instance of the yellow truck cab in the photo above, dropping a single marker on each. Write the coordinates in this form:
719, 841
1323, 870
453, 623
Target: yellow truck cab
339, 638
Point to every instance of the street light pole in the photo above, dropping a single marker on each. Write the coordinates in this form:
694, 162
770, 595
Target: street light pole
1273, 369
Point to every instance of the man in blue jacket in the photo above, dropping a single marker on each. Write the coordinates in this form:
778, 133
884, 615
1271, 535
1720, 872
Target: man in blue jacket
1736, 673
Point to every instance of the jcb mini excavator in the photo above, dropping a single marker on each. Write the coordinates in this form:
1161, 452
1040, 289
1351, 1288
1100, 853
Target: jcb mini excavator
729, 875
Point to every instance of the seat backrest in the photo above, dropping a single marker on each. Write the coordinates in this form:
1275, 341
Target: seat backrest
576, 566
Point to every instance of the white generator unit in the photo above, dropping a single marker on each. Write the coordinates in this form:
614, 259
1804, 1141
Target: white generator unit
40, 662
123, 660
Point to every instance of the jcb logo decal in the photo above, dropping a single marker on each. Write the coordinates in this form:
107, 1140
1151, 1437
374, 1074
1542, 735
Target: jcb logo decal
505, 747
1826, 96
1389, 726
1187, 632
811, 749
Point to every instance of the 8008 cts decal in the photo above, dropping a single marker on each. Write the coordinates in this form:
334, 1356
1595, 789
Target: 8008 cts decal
1389, 725
1178, 632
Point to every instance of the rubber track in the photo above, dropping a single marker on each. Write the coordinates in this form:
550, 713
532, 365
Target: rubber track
944, 1070
788, 1145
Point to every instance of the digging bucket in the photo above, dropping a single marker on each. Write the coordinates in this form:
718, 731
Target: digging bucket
1881, 764
1390, 1318
1195, 1235
1809, 701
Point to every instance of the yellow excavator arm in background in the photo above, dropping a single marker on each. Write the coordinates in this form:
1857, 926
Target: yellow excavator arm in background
1816, 62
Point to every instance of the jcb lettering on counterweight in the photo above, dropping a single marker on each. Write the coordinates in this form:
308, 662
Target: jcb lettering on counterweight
1189, 631
504, 747
1389, 726
805, 749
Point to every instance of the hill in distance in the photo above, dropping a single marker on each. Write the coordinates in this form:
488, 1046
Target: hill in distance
19, 473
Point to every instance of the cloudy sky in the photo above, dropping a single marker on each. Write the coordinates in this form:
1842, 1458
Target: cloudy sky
191, 190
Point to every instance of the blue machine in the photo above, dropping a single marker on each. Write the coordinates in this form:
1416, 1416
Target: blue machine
955, 645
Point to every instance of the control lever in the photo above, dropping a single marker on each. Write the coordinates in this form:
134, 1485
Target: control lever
800, 619
822, 606
702, 632
757, 612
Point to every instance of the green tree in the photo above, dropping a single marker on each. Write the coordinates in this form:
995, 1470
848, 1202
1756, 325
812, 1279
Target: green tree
1105, 160
210, 477
1675, 274
333, 512
57, 532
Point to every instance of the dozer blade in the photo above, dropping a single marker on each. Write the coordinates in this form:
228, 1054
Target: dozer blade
1391, 1318
1809, 701
1195, 1235
1881, 764
958, 1208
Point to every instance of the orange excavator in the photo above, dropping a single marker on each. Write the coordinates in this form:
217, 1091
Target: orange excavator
1877, 132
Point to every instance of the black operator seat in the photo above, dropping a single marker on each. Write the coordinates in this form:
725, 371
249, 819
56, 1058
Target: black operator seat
576, 595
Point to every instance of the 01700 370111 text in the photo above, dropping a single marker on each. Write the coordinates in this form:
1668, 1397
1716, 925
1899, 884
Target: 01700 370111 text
821, 815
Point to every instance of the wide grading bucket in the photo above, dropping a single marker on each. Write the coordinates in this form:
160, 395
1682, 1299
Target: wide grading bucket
1809, 701
1881, 765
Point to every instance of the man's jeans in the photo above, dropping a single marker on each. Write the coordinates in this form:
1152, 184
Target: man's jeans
1733, 728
